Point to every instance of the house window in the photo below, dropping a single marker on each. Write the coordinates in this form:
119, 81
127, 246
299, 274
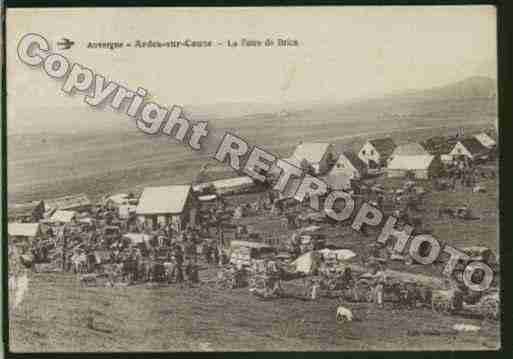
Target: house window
363, 152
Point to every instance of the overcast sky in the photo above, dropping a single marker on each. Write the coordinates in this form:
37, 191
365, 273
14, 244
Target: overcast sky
344, 53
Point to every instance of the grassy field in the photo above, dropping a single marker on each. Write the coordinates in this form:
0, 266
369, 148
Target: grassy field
59, 315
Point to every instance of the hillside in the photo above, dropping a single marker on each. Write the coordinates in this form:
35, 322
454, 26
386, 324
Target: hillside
50, 164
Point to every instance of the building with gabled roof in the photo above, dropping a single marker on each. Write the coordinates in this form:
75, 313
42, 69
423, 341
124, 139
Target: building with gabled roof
375, 153
164, 205
349, 164
470, 148
410, 149
320, 156
417, 166
22, 232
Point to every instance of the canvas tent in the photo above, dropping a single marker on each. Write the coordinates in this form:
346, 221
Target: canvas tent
350, 164
233, 185
420, 167
318, 155
165, 205
307, 263
409, 149
23, 231
137, 238
79, 202
63, 217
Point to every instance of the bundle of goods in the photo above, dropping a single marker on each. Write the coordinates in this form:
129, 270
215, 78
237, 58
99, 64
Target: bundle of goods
232, 277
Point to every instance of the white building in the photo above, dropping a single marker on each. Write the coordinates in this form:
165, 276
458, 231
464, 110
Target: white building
166, 205
419, 166
233, 185
20, 233
375, 153
63, 217
320, 156
350, 165
469, 148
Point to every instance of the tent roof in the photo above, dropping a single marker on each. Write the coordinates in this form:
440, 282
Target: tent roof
164, 199
473, 145
137, 237
23, 229
248, 244
420, 162
63, 216
409, 149
384, 146
313, 152
68, 202
233, 182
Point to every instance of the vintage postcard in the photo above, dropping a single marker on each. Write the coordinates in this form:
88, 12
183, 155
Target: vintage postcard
252, 179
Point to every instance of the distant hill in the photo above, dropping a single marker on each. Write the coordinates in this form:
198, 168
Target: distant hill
476, 93
472, 87
474, 97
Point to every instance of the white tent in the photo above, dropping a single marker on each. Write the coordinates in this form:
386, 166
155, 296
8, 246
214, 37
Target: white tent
63, 216
163, 200
233, 184
419, 165
137, 238
306, 263
23, 229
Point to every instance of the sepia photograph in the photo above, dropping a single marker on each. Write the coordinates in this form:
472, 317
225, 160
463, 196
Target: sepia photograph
321, 178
